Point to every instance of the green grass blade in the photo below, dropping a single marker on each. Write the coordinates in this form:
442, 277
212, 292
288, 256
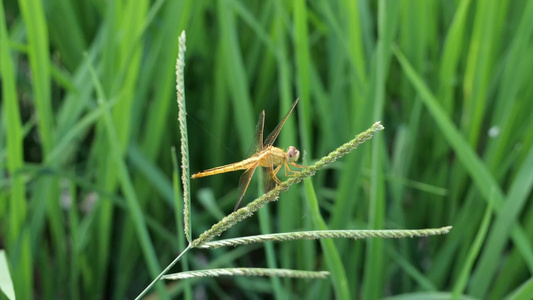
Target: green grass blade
461, 282
265, 225
67, 32
236, 76
57, 155
479, 172
510, 211
478, 68
16, 235
423, 282
38, 45
303, 62
331, 254
451, 54
39, 58
152, 174
375, 260
299, 31
14, 137
470, 160
126, 185
523, 292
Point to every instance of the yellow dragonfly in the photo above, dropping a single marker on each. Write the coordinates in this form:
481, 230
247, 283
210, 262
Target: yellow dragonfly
263, 155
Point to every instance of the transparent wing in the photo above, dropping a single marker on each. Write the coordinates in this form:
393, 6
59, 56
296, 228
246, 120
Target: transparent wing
274, 135
257, 143
268, 179
244, 182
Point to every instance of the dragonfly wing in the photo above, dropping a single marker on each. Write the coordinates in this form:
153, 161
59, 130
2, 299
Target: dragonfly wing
274, 135
268, 179
258, 136
244, 182
257, 144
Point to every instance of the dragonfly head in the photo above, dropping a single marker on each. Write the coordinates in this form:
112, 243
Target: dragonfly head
292, 154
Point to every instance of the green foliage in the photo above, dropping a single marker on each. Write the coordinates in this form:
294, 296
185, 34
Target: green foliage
89, 205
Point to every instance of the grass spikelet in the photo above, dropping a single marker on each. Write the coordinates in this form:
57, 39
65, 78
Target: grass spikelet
247, 272
320, 234
182, 119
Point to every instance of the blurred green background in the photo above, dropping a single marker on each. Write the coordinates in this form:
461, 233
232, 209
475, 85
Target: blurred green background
450, 81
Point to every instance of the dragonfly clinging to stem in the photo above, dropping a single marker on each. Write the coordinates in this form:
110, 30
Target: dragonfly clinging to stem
265, 155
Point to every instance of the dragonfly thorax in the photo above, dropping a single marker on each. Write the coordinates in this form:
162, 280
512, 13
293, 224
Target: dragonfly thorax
292, 154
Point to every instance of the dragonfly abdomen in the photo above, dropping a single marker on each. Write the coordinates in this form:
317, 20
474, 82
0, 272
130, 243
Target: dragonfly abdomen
241, 165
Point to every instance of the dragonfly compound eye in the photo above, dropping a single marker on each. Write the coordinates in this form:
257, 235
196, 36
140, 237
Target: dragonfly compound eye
293, 154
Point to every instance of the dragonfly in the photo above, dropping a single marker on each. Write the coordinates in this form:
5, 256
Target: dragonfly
263, 154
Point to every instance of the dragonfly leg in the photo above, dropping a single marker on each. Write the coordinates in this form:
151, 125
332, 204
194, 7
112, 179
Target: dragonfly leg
297, 165
275, 173
291, 172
